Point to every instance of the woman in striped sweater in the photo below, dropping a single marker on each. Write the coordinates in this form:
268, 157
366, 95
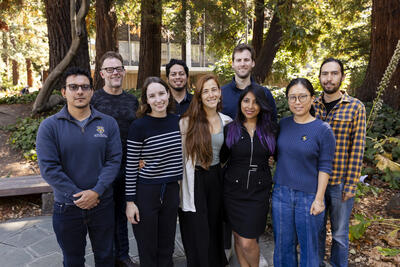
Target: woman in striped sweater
152, 193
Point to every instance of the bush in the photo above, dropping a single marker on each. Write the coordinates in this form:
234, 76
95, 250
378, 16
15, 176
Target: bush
23, 136
19, 99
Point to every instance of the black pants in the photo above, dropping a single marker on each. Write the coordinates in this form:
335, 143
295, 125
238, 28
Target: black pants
121, 242
155, 233
201, 231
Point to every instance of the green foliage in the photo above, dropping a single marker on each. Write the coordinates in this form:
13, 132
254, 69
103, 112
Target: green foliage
363, 189
392, 178
19, 99
223, 69
388, 251
358, 230
23, 136
135, 92
282, 106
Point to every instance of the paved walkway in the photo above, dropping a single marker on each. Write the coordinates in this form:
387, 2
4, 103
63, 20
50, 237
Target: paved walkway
31, 242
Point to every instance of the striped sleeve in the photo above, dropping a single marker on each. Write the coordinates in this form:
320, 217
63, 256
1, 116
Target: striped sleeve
134, 148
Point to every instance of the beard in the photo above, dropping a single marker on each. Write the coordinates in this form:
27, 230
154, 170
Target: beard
333, 90
179, 89
243, 76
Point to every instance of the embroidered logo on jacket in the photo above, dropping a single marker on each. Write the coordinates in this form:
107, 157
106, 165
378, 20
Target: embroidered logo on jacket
100, 132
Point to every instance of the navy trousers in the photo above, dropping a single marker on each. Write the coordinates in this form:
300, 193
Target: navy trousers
71, 226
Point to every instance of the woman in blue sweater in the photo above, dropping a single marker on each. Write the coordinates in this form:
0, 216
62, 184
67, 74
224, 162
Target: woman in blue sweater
305, 152
152, 193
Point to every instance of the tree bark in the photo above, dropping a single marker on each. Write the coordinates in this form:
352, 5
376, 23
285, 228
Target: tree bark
271, 43
106, 35
15, 72
385, 23
183, 22
150, 40
60, 38
29, 79
258, 29
79, 35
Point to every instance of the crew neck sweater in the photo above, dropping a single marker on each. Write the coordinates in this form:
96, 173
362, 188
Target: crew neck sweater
157, 141
121, 107
303, 151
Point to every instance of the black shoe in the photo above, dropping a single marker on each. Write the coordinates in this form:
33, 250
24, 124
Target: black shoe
126, 263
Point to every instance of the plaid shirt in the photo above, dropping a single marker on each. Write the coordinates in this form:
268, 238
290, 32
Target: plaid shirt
347, 120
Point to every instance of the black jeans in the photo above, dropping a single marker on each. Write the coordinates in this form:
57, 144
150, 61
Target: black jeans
155, 233
71, 225
121, 246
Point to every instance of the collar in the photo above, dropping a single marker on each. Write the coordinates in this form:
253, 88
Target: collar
64, 114
188, 98
252, 82
344, 99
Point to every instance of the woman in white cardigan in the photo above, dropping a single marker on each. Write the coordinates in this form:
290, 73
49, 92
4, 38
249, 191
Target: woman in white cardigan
200, 216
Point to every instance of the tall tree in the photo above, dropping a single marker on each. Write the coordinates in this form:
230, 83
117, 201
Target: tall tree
258, 28
385, 34
106, 35
78, 35
60, 37
150, 40
272, 42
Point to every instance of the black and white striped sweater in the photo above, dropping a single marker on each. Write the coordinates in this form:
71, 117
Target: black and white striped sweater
157, 141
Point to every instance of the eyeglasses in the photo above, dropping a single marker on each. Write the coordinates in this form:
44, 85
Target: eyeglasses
111, 69
75, 87
302, 98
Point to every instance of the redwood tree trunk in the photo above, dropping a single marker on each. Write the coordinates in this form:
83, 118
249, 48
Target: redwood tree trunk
29, 79
385, 33
15, 72
106, 35
271, 43
59, 33
150, 40
258, 29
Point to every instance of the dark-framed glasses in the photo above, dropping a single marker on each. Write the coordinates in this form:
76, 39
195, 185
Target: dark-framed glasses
302, 98
111, 69
75, 87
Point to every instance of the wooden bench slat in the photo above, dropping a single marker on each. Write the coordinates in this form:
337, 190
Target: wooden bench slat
23, 185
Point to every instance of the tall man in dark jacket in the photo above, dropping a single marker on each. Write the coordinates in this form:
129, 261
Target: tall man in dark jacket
79, 153
122, 106
243, 62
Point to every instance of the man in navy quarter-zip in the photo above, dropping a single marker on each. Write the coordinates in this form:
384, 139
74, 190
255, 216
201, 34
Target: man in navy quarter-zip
79, 153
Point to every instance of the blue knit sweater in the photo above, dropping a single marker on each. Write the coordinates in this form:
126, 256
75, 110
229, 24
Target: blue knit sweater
303, 151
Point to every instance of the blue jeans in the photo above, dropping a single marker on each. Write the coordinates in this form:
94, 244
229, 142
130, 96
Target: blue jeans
339, 213
293, 224
71, 225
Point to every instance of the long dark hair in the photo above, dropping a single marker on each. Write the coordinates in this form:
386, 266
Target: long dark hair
198, 136
145, 108
307, 84
266, 127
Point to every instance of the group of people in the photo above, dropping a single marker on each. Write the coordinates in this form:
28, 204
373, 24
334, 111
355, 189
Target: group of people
205, 158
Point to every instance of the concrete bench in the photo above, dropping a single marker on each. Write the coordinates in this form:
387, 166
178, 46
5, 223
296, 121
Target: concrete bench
27, 185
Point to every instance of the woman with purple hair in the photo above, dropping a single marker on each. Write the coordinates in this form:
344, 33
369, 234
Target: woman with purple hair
249, 142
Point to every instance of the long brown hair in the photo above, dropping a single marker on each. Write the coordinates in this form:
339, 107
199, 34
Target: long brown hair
145, 108
198, 136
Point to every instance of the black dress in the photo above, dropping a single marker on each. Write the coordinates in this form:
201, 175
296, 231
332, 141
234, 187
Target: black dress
247, 185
